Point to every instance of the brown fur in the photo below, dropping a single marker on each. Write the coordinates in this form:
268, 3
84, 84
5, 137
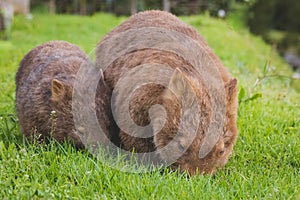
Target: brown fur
44, 82
145, 97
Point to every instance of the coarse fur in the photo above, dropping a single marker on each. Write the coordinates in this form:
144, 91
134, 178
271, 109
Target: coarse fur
44, 92
185, 76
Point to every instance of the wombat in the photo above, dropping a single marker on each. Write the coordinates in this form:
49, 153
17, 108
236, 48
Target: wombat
182, 85
44, 89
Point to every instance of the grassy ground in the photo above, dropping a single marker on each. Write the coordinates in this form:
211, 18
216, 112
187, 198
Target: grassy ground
266, 159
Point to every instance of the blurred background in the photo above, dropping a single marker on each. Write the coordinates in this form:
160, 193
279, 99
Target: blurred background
276, 21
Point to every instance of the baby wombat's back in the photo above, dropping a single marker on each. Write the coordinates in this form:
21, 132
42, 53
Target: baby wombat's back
44, 84
41, 57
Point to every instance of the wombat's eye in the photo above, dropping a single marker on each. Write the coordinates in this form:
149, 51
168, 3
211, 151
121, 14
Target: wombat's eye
181, 147
226, 144
221, 152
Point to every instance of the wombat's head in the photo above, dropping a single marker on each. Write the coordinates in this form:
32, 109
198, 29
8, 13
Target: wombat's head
61, 100
67, 101
184, 143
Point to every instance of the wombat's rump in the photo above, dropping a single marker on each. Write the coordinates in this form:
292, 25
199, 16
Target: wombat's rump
184, 76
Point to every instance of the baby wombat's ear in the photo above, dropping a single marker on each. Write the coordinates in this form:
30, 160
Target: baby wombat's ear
58, 90
231, 89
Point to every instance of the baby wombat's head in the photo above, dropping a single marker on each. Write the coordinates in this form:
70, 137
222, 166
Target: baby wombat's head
183, 134
61, 104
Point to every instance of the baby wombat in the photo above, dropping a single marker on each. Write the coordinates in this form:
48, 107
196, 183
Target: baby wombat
190, 100
44, 92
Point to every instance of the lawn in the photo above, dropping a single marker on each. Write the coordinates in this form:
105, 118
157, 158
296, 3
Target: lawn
265, 163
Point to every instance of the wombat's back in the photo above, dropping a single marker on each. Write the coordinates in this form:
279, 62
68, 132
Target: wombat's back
161, 19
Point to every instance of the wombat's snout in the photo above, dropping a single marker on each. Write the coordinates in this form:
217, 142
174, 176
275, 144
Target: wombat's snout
193, 164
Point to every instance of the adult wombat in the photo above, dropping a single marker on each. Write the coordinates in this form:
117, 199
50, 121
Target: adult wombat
190, 93
44, 92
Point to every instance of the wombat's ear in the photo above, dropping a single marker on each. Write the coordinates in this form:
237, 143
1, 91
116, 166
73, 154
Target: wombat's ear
58, 90
231, 88
178, 83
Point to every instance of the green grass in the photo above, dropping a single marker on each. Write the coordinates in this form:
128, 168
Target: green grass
266, 159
